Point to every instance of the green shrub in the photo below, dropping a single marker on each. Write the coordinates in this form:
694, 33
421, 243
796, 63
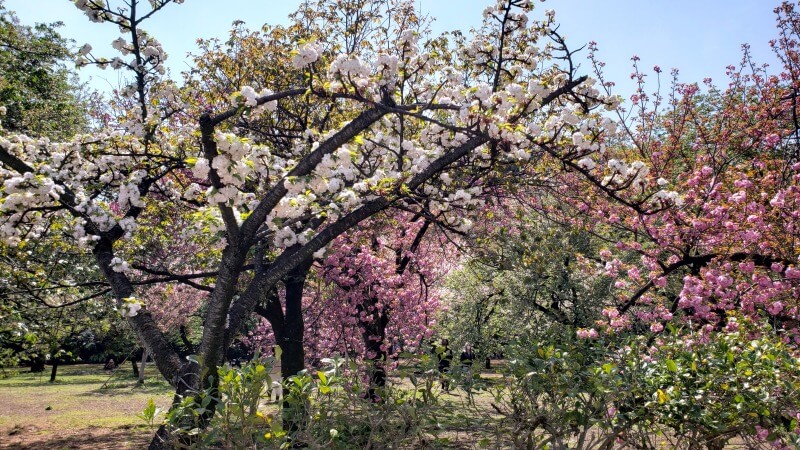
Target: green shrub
685, 391
326, 409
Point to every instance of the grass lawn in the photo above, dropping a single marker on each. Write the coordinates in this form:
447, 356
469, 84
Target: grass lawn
90, 408
77, 411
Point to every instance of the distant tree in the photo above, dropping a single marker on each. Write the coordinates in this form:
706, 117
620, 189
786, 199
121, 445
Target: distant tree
40, 96
40, 93
523, 277
705, 222
53, 310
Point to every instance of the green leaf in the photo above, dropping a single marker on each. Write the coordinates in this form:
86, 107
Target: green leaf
322, 377
149, 412
672, 366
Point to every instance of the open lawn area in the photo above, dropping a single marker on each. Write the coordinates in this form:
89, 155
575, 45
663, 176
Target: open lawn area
87, 407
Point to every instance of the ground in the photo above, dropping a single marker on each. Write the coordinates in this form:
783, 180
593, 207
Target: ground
93, 409
90, 408
86, 408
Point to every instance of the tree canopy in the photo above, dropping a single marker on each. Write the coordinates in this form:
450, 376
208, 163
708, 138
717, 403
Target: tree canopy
354, 152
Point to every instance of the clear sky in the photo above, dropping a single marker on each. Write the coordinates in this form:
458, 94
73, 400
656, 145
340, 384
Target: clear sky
699, 37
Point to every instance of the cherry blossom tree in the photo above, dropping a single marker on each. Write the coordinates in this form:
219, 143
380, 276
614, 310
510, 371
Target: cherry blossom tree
706, 221
363, 111
372, 295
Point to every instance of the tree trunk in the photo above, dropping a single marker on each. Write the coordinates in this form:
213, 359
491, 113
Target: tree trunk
135, 367
374, 335
167, 360
291, 343
145, 355
53, 372
292, 357
161, 439
186, 383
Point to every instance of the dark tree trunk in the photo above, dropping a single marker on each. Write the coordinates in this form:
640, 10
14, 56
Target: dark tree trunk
291, 342
135, 367
293, 356
53, 372
161, 439
374, 335
186, 383
288, 328
145, 355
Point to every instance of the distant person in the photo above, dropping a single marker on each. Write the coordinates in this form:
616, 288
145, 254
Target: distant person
445, 356
467, 358
275, 389
110, 365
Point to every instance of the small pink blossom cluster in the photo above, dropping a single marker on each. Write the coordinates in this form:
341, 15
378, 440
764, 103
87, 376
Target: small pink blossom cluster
587, 333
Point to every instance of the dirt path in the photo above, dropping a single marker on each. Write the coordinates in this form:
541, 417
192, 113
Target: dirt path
31, 437
76, 412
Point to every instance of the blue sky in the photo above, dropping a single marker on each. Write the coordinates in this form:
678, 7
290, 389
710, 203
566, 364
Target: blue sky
699, 37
